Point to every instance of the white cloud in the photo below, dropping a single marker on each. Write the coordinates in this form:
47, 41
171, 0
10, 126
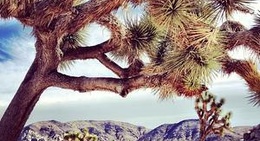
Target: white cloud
9, 22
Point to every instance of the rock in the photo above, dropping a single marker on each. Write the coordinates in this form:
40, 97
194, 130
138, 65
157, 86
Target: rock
253, 134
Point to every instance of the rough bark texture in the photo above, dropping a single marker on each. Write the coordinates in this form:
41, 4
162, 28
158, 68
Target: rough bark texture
22, 104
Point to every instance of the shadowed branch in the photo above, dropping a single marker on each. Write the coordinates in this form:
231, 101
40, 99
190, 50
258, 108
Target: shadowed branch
119, 71
248, 71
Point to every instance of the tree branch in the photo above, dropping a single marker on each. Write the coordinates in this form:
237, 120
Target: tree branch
35, 12
117, 85
249, 38
112, 66
87, 52
245, 69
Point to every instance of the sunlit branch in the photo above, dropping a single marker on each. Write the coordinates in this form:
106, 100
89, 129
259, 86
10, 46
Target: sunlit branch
121, 86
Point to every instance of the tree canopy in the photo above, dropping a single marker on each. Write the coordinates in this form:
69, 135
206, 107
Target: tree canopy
185, 41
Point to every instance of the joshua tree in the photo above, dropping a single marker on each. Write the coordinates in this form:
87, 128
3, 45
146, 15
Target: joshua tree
80, 136
181, 38
209, 112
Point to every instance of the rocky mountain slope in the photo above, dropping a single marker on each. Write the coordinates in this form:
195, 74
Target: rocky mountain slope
187, 130
253, 135
105, 130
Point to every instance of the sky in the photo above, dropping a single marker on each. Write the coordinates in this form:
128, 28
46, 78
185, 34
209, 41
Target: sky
141, 107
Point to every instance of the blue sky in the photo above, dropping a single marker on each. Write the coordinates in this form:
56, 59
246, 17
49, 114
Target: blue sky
141, 107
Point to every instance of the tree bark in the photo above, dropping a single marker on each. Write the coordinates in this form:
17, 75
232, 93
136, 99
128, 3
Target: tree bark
203, 138
22, 104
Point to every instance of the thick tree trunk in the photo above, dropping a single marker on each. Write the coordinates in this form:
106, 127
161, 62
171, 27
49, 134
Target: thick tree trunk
202, 137
21, 105
203, 134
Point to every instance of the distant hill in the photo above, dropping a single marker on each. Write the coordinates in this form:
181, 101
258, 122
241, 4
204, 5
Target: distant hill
186, 130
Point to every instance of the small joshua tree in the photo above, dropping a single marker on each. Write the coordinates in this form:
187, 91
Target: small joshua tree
80, 136
209, 110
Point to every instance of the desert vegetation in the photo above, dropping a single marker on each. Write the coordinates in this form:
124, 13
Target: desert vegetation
210, 115
80, 136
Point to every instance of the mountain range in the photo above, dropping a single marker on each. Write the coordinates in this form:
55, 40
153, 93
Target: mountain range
186, 130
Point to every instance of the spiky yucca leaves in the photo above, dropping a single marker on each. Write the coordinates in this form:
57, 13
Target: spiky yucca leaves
197, 58
140, 35
166, 90
72, 41
173, 86
248, 70
225, 8
78, 2
254, 98
209, 113
157, 54
171, 13
257, 19
190, 58
112, 23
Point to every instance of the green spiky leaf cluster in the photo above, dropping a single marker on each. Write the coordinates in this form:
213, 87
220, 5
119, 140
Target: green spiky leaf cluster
219, 9
257, 19
171, 13
194, 57
72, 41
254, 98
140, 36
